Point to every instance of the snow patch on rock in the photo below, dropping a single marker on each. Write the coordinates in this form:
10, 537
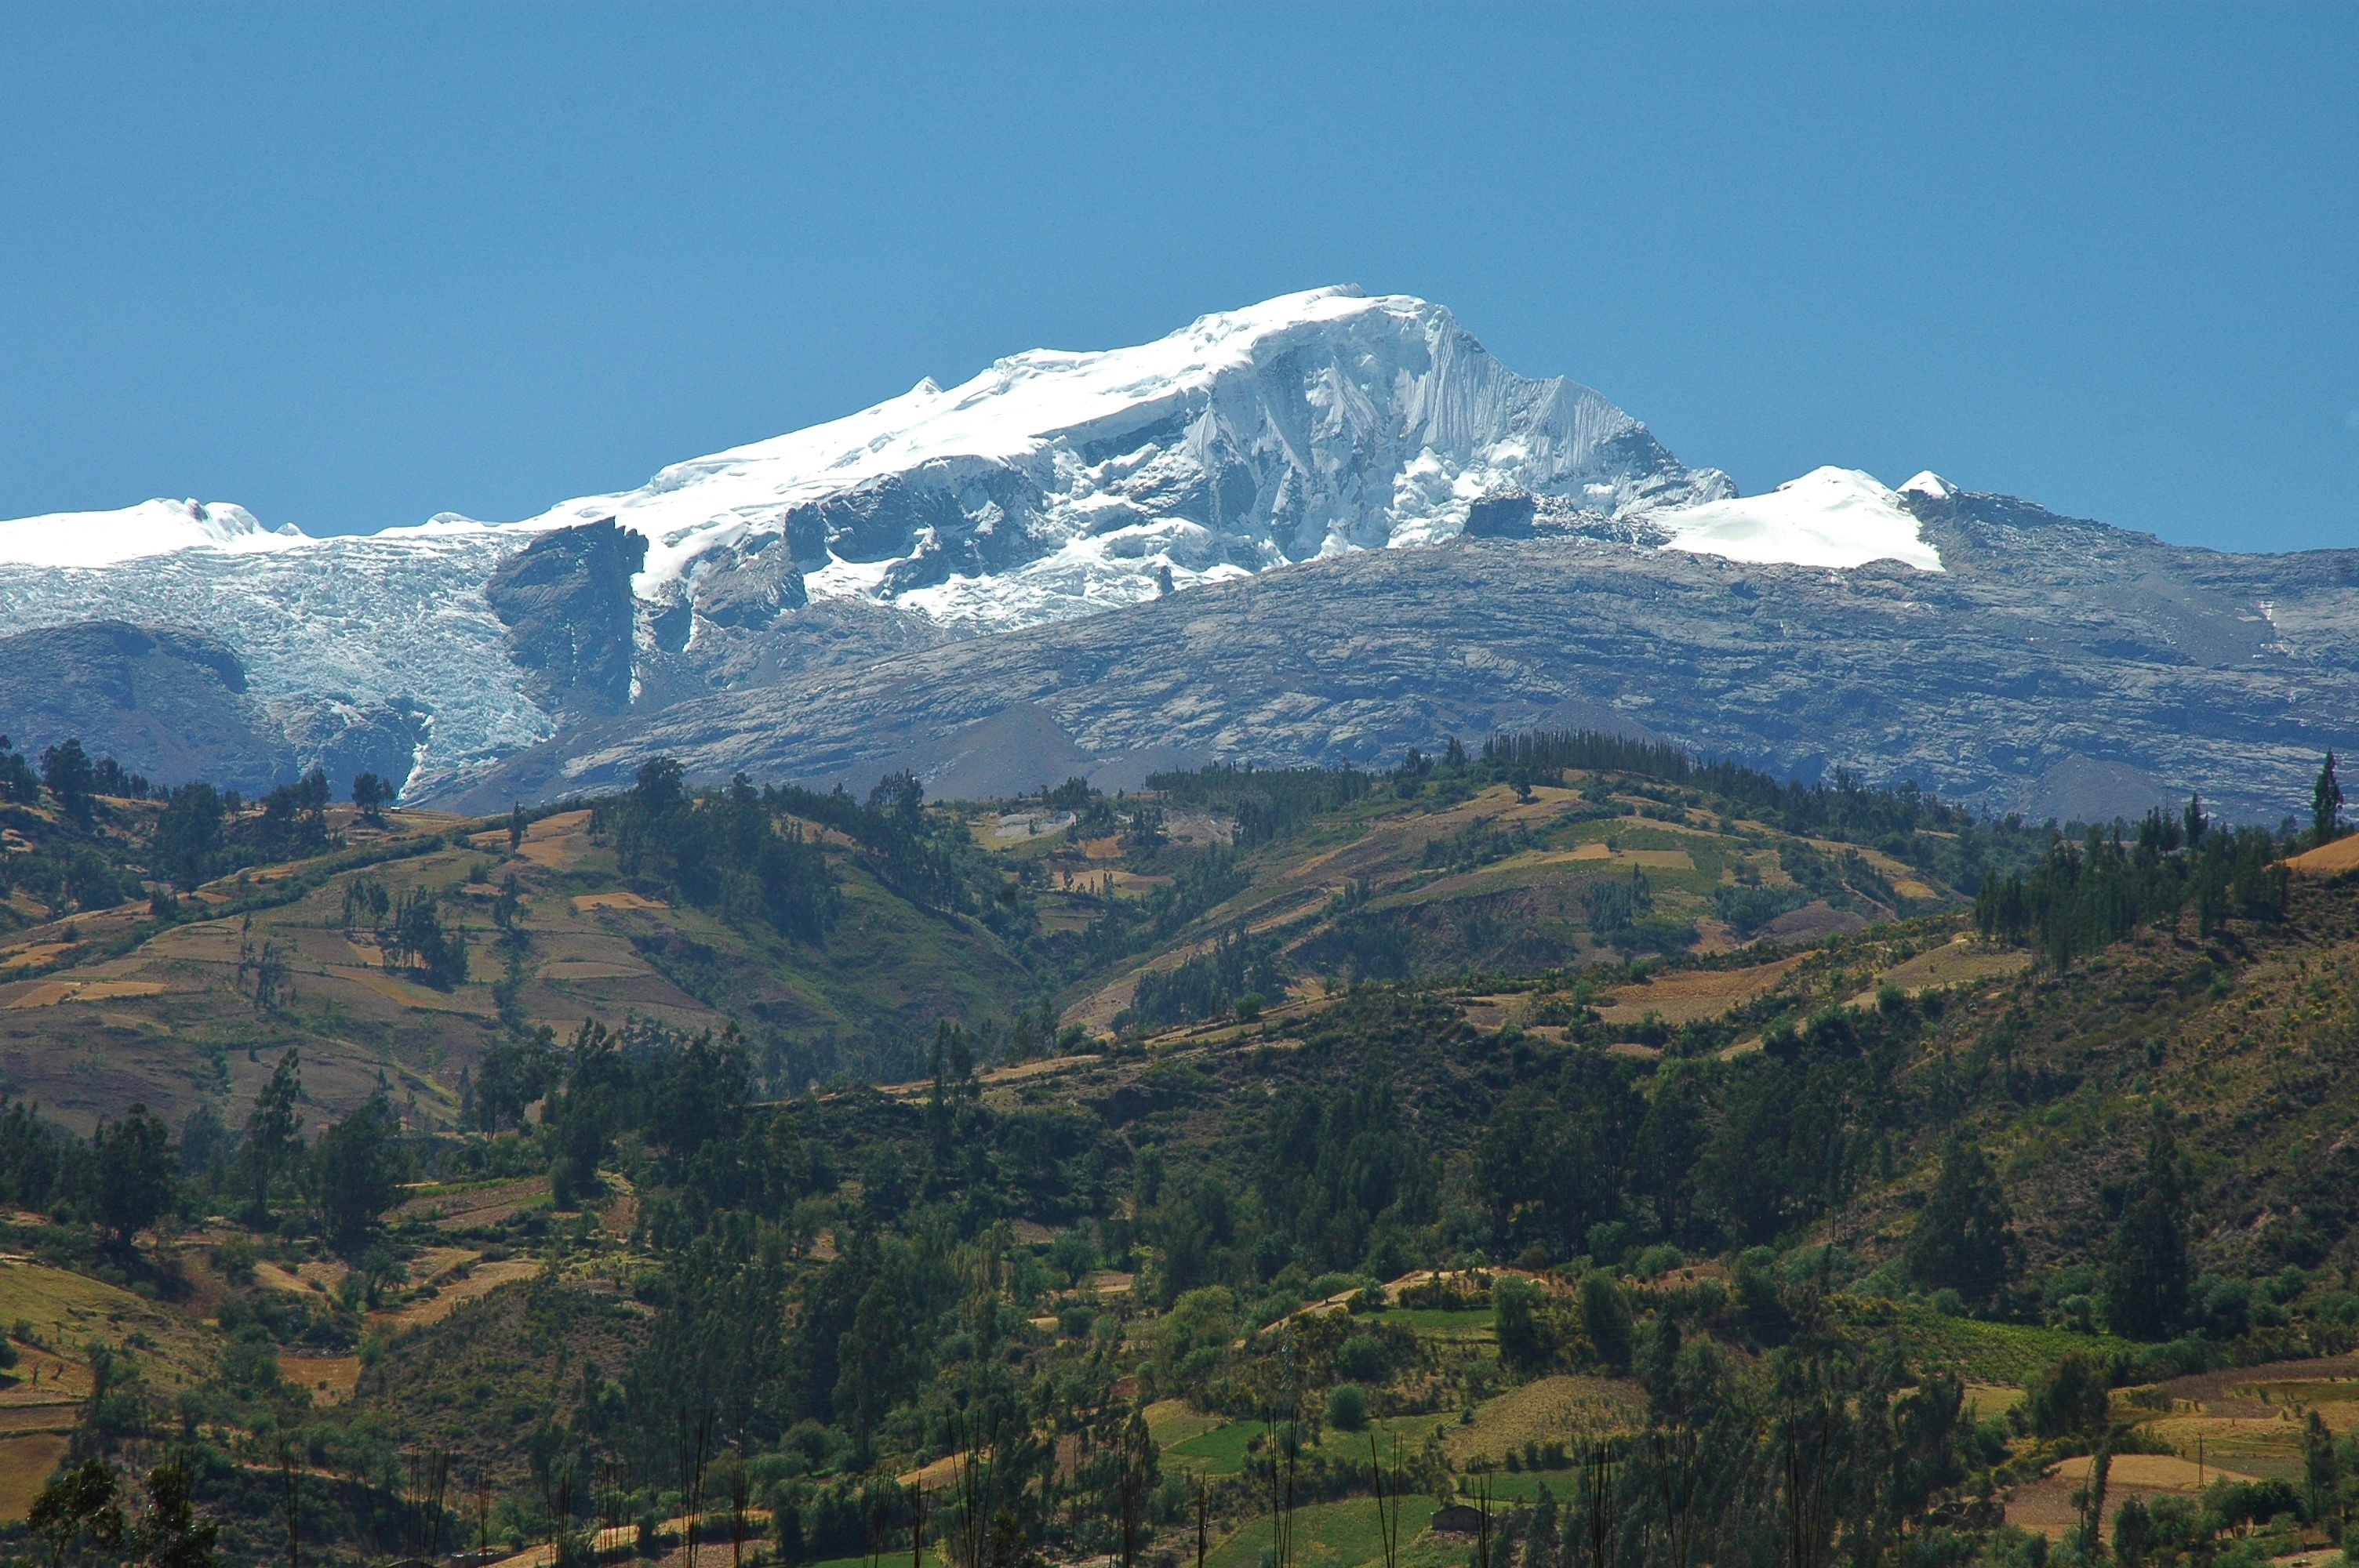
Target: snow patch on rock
1829, 517
133, 533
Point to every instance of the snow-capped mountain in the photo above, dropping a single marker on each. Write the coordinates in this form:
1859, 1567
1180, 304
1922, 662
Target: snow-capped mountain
1057, 483
150, 528
1052, 485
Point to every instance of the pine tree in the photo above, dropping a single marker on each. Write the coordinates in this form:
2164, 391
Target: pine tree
272, 1144
2320, 1468
2145, 1260
2326, 806
1960, 1240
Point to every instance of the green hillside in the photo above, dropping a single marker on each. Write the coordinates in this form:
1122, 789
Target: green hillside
1631, 1149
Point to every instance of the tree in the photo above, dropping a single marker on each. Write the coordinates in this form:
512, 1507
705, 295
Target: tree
1960, 1240
188, 834
80, 1502
2325, 803
355, 1168
66, 769
16, 781
2069, 1399
135, 1163
1526, 1343
1606, 1316
372, 794
172, 1533
2133, 1532
2320, 1468
2146, 1260
272, 1144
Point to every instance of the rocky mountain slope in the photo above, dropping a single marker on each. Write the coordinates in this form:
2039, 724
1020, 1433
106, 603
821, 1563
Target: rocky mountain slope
2057, 667
1115, 560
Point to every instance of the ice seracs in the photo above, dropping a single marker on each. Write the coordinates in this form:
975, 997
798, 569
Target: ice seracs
1053, 484
1829, 517
1059, 484
151, 528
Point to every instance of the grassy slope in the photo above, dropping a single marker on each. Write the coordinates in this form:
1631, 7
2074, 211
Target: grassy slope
166, 1023
1524, 914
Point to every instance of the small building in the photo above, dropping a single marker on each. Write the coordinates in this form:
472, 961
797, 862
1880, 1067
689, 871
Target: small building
1457, 1519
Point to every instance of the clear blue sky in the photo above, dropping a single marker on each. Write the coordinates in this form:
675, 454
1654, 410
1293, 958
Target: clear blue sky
355, 266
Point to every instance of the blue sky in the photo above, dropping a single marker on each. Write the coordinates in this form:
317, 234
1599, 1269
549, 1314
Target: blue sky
352, 266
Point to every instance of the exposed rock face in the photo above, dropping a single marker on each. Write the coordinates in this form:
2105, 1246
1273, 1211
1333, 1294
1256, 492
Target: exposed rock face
167, 703
572, 621
2058, 664
1319, 529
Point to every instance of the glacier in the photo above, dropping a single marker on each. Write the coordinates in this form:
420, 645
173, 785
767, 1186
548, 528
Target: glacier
1054, 484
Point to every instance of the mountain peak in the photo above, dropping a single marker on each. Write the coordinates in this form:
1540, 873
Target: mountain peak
154, 527
1059, 482
1829, 517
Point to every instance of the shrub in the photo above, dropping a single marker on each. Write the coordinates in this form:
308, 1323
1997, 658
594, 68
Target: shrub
1347, 1408
1362, 1359
2069, 1399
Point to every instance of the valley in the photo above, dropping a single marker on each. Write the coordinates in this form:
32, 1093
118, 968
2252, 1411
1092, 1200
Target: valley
1484, 1132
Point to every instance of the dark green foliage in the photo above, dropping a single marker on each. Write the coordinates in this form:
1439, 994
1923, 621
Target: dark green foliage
1606, 1318
109, 778
1747, 909
1559, 1158
1204, 985
1342, 1171
2133, 1534
1479, 843
512, 1074
1846, 880
135, 1170
2082, 897
1615, 907
413, 937
1527, 1338
356, 1170
294, 822
80, 1502
722, 850
2069, 1399
2146, 1259
171, 1532
372, 794
19, 782
1267, 804
2326, 805
66, 769
1961, 1239
30, 1157
189, 834
272, 1146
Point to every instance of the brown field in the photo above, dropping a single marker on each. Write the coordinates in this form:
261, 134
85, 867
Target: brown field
24, 1465
621, 899
2327, 859
480, 1205
176, 1030
329, 1379
554, 842
1689, 994
1959, 963
1552, 1408
448, 1299
2045, 1505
